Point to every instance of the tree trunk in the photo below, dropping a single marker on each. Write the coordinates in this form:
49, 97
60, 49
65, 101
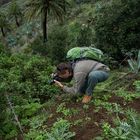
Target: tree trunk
2, 30
44, 25
17, 23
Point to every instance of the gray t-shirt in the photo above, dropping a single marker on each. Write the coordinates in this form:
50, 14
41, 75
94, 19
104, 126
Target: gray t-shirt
81, 70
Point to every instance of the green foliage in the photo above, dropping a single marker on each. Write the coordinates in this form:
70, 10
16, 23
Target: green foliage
127, 130
123, 131
11, 130
25, 77
83, 1
4, 49
86, 107
4, 24
8, 125
56, 46
110, 107
15, 11
74, 28
137, 85
106, 128
116, 26
135, 64
60, 131
36, 135
38, 47
66, 111
24, 74
45, 8
128, 96
35, 121
85, 36
118, 134
24, 110
130, 130
11, 40
27, 110
58, 42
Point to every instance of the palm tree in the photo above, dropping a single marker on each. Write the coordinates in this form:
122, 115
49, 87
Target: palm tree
15, 11
44, 8
3, 23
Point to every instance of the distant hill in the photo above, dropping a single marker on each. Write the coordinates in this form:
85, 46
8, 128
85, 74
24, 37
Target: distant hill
4, 1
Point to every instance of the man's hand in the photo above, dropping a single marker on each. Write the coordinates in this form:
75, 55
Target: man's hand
59, 84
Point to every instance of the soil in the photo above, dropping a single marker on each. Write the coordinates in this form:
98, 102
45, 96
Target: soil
90, 127
135, 105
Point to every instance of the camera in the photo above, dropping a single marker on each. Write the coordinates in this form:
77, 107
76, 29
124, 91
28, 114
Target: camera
55, 77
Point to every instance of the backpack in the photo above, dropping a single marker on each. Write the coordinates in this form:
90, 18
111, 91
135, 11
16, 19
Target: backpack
80, 53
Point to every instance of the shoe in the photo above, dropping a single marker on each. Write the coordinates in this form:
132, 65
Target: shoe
86, 99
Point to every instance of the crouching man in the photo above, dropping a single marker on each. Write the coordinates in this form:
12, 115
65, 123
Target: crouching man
86, 75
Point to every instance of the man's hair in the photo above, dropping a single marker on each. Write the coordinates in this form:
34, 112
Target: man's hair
62, 67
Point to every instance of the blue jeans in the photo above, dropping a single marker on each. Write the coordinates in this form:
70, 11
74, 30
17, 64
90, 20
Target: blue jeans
92, 79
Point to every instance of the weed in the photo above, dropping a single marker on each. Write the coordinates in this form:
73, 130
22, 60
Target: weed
128, 96
66, 111
118, 134
137, 85
86, 107
106, 128
135, 64
78, 122
60, 131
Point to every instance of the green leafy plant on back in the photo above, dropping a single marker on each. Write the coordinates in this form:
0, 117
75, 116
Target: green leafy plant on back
66, 111
124, 130
130, 111
135, 64
86, 107
106, 130
35, 134
118, 134
37, 128
128, 96
28, 110
60, 131
127, 130
135, 127
137, 85
112, 133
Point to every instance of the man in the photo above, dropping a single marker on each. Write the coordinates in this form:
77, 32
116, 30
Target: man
86, 75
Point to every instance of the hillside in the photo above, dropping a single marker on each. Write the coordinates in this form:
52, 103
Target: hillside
35, 38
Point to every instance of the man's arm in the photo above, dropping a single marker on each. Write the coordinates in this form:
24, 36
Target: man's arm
79, 80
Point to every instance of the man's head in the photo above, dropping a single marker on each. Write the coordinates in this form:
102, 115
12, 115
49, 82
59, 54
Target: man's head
64, 70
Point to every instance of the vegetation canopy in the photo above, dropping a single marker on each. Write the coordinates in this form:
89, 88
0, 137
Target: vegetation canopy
35, 36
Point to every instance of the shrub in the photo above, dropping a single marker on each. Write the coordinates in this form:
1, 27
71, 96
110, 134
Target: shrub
24, 74
73, 30
4, 49
135, 64
116, 26
25, 79
58, 41
60, 131
85, 36
38, 47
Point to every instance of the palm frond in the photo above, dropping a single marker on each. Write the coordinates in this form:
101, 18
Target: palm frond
138, 61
